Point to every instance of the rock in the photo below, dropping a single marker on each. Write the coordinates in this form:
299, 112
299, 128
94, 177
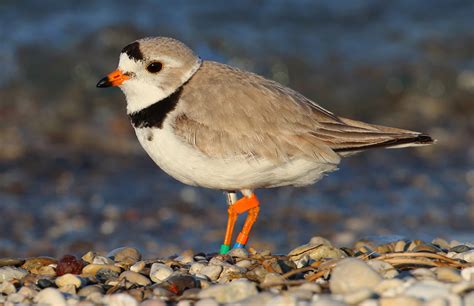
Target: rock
283, 300
317, 240
325, 300
206, 302
125, 255
16, 298
138, 266
119, 299
466, 256
238, 253
427, 289
462, 287
92, 289
313, 287
315, 252
34, 264
50, 296
89, 257
7, 288
441, 243
427, 247
178, 283
159, 272
196, 268
399, 301
68, 279
351, 275
460, 248
27, 292
135, 278
468, 274
9, 273
69, 289
47, 271
446, 274
358, 296
389, 284
44, 283
186, 257
69, 264
469, 299
92, 269
272, 279
11, 262
229, 293
439, 301
423, 273
263, 298
300, 294
106, 275
102, 260
383, 268
400, 246
244, 263
153, 303
211, 271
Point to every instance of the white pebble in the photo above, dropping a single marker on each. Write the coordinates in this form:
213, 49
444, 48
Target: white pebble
351, 275
50, 296
468, 274
120, 299
159, 272
211, 271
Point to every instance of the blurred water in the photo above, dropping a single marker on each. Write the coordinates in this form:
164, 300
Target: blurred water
73, 177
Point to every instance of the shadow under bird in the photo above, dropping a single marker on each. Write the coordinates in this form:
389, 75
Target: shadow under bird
212, 125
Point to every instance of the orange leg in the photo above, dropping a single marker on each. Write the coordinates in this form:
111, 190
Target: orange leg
247, 203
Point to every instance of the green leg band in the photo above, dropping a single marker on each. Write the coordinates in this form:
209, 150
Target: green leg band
224, 249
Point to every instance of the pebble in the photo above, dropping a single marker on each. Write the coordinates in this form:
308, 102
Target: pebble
468, 274
358, 296
44, 283
69, 264
389, 284
120, 299
446, 274
91, 289
400, 301
283, 300
92, 269
68, 279
102, 260
427, 289
9, 273
351, 275
460, 248
423, 273
384, 268
244, 263
466, 256
125, 255
7, 288
206, 302
138, 266
34, 264
315, 252
212, 271
229, 293
238, 253
159, 272
89, 257
11, 262
50, 296
135, 278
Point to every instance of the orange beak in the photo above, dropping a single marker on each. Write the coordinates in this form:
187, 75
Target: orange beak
115, 78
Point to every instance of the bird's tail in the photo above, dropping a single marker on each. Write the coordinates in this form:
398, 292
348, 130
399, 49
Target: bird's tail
351, 136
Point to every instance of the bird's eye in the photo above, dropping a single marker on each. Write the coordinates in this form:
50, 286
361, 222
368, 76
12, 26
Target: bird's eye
154, 67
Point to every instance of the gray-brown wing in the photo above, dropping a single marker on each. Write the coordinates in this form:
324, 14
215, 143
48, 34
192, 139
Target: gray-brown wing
226, 112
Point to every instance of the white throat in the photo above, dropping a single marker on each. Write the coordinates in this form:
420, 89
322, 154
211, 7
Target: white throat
140, 95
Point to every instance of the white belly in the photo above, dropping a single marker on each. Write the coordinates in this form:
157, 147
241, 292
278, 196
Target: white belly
191, 167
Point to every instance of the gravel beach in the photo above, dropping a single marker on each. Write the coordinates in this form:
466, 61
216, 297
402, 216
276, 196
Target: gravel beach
370, 273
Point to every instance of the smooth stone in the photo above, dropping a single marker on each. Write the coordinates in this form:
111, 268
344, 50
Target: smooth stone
283, 300
439, 301
466, 256
105, 275
102, 260
68, 279
16, 298
135, 278
462, 287
317, 240
92, 269
244, 263
369, 302
138, 266
441, 243
300, 294
186, 257
44, 283
34, 264
311, 287
427, 289
126, 255
9, 273
47, 271
238, 253
423, 273
263, 298
272, 279
469, 299
89, 257
229, 293
211, 271
426, 247
446, 274
153, 303
358, 296
383, 268
50, 296
400, 301
400, 246
468, 274
11, 262
91, 289
460, 248
302, 262
160, 272
69, 289
389, 284
7, 288
119, 299
316, 252
196, 268
326, 300
206, 302
352, 274
27, 292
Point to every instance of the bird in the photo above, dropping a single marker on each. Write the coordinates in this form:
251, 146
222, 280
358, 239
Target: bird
211, 125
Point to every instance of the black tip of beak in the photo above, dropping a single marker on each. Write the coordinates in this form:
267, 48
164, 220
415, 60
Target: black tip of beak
104, 82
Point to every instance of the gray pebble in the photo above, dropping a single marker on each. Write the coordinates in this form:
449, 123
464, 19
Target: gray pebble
135, 278
159, 272
232, 292
351, 275
212, 271
9, 273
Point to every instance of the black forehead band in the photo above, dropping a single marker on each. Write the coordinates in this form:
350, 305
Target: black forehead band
133, 51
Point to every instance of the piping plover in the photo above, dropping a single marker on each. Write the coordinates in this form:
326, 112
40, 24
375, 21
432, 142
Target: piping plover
212, 125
